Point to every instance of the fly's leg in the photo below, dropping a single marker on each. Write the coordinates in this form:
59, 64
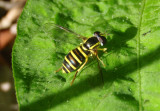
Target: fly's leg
58, 70
102, 49
79, 70
100, 60
83, 38
96, 54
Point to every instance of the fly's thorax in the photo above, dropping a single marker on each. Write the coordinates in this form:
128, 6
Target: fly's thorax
102, 40
91, 43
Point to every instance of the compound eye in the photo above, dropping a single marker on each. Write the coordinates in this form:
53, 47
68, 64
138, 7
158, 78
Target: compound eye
104, 40
100, 40
97, 33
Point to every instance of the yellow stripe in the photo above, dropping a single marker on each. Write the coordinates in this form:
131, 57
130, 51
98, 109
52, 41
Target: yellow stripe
75, 57
94, 45
63, 71
82, 52
84, 48
66, 68
69, 63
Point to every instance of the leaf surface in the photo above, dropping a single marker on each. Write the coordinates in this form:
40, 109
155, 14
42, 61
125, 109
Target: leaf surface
132, 72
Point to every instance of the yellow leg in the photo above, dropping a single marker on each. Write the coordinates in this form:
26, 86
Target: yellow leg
103, 49
100, 70
100, 60
58, 70
94, 52
79, 70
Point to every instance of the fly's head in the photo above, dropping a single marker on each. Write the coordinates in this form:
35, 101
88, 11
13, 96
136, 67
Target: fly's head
101, 38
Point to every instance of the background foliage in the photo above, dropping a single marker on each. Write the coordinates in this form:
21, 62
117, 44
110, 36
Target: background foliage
132, 72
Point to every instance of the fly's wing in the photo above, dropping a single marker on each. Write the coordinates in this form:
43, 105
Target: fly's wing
60, 34
61, 41
67, 30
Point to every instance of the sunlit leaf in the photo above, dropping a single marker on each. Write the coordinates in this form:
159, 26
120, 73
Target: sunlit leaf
132, 72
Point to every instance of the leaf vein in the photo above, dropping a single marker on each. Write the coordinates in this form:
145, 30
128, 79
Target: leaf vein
138, 54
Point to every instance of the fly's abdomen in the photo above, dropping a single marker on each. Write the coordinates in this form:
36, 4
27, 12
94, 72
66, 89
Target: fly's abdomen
74, 59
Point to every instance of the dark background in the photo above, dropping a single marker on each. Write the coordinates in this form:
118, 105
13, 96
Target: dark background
10, 10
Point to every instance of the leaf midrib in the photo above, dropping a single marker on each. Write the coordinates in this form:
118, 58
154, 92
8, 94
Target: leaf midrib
138, 54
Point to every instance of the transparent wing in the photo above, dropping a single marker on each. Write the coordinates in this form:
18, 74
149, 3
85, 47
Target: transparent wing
60, 34
67, 30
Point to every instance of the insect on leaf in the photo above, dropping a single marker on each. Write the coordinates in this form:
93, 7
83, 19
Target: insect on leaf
132, 72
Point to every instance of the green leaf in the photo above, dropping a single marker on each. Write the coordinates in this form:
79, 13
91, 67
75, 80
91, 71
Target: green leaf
132, 72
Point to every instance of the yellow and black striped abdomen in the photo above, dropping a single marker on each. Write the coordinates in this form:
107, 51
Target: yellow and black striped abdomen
74, 59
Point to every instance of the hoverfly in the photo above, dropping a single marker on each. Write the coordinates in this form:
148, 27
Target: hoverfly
77, 58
